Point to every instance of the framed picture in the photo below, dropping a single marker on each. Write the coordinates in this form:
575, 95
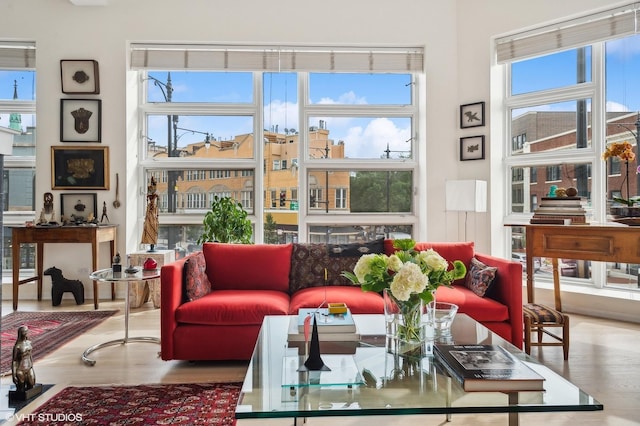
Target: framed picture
79, 168
79, 76
472, 148
472, 115
78, 207
80, 120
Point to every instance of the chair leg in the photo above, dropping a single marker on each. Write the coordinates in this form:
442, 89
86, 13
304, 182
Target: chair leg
565, 338
527, 334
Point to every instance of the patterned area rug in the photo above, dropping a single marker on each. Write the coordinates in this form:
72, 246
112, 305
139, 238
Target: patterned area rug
47, 331
183, 404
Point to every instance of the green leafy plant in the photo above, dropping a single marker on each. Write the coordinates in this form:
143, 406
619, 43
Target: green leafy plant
226, 222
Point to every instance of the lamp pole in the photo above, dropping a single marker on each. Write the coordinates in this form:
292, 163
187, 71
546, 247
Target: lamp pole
388, 154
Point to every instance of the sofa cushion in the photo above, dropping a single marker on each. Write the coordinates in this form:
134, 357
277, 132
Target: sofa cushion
479, 308
195, 281
248, 266
233, 307
480, 277
310, 260
358, 301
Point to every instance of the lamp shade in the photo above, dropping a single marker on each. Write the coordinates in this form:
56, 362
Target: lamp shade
466, 195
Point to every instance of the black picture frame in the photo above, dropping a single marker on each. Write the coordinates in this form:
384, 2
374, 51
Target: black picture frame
472, 115
79, 76
472, 148
80, 120
70, 201
79, 167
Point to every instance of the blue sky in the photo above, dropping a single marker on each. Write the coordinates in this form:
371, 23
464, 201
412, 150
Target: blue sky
364, 137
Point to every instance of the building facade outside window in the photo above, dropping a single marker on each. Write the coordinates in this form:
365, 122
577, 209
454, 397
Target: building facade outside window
309, 130
18, 126
583, 98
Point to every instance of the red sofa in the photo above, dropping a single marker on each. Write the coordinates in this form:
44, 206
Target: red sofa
251, 281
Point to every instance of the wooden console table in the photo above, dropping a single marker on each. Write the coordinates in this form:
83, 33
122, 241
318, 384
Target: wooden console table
93, 235
605, 243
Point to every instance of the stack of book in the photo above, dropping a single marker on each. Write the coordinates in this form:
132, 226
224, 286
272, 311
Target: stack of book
331, 327
560, 211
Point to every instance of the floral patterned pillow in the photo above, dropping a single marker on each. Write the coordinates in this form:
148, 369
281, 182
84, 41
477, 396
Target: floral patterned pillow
480, 277
195, 280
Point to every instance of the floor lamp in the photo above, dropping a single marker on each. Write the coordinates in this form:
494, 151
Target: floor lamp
466, 196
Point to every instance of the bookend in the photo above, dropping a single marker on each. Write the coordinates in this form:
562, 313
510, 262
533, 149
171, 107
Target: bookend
314, 362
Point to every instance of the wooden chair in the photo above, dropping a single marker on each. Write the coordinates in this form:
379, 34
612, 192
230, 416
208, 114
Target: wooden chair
540, 318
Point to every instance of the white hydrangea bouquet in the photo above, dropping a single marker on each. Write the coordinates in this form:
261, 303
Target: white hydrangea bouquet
409, 277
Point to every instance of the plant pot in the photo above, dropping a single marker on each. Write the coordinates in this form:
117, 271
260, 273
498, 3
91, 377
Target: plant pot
624, 211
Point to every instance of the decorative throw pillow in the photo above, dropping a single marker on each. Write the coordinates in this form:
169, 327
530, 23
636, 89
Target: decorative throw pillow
356, 249
195, 280
480, 277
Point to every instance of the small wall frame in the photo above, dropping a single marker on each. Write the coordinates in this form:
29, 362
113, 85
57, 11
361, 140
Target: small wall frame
77, 207
472, 115
80, 120
472, 148
79, 167
79, 76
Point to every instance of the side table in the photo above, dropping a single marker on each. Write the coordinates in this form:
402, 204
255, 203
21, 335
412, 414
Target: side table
107, 275
140, 290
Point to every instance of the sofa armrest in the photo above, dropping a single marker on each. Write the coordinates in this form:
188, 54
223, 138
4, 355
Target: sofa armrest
507, 289
170, 299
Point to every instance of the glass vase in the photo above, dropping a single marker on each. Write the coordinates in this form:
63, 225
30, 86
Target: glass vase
405, 329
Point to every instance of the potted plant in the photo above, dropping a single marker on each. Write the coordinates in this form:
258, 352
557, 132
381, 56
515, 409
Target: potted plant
226, 222
627, 207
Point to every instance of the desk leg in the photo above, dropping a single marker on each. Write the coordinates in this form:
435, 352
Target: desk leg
15, 253
39, 267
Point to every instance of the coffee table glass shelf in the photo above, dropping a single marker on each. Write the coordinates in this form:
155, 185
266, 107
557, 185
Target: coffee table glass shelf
368, 380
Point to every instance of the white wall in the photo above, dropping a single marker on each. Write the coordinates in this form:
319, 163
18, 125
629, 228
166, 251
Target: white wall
455, 34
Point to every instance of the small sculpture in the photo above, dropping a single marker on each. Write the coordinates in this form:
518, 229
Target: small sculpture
150, 228
47, 210
104, 213
60, 284
24, 376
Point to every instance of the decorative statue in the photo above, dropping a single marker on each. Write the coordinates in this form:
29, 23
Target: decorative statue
150, 229
22, 365
104, 213
47, 210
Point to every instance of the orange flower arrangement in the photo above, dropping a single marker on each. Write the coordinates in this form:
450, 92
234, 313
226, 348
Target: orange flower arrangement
623, 151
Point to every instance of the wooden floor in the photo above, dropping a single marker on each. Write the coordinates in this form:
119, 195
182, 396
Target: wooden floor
604, 361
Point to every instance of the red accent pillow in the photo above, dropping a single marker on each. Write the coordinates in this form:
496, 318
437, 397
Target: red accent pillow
480, 277
195, 279
248, 266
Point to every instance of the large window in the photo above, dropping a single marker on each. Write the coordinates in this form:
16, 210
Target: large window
572, 91
327, 136
18, 127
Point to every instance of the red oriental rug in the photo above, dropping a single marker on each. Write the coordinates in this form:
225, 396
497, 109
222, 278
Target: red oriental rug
175, 404
47, 331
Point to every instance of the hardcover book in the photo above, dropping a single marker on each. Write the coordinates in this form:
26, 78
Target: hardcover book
488, 368
327, 323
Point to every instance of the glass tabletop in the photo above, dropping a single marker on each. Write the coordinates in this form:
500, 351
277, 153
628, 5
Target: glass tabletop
371, 381
139, 275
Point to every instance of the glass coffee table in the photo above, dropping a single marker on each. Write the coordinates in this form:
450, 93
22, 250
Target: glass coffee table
366, 380
107, 275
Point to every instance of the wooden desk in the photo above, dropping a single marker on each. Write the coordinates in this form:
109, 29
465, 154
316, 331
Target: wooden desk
603, 243
62, 234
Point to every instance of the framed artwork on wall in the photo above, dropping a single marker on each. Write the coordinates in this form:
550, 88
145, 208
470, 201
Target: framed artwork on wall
78, 206
472, 115
80, 120
79, 167
79, 76
472, 148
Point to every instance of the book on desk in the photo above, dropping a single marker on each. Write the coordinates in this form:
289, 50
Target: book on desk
488, 368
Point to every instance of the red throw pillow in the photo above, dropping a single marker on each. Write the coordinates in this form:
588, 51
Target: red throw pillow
195, 280
480, 277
